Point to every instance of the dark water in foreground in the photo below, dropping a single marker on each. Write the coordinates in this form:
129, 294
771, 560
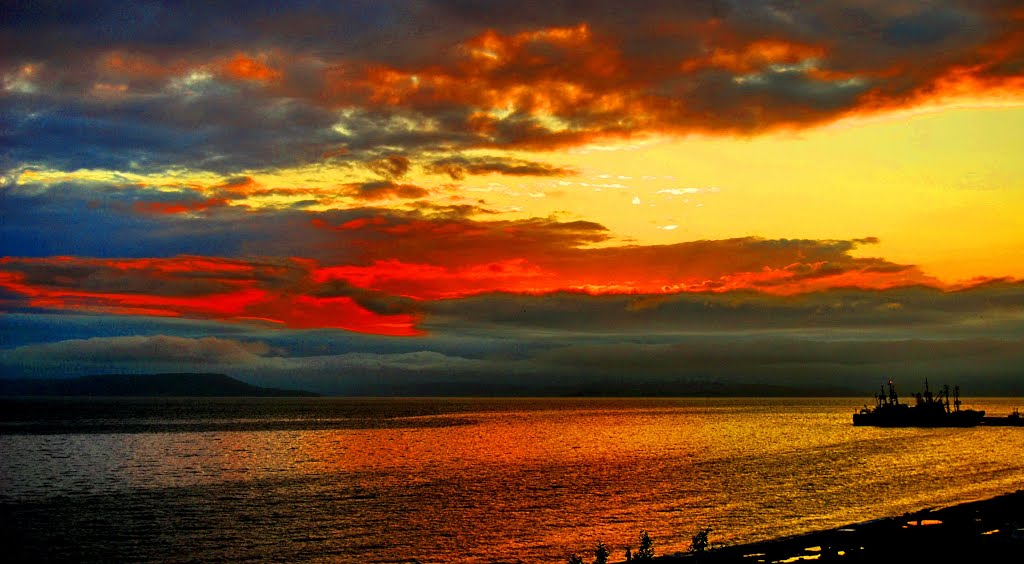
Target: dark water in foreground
464, 480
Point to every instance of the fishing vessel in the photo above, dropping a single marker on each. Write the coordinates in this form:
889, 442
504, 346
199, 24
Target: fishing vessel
928, 410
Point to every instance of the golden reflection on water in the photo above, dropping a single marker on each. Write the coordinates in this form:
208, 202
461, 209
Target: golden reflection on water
543, 478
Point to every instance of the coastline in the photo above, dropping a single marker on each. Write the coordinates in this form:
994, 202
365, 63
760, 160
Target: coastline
976, 531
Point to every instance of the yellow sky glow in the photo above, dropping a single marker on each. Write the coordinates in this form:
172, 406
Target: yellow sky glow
942, 189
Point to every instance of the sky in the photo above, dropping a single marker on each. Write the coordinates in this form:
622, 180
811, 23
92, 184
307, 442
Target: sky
455, 197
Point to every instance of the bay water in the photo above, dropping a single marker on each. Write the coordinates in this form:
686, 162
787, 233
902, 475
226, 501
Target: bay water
463, 479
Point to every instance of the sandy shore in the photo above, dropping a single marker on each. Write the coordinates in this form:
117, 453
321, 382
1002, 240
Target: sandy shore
979, 531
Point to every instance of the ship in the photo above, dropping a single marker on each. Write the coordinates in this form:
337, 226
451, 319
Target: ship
929, 410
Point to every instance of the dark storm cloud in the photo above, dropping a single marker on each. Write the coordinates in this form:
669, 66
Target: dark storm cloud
377, 302
212, 127
115, 227
40, 28
100, 277
781, 96
926, 27
119, 222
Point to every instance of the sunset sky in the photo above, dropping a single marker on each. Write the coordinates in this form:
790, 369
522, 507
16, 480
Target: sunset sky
501, 197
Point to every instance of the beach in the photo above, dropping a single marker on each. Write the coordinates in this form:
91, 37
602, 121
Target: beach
980, 531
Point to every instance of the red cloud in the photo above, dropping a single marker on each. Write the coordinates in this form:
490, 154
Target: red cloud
433, 258
406, 259
196, 287
427, 281
179, 207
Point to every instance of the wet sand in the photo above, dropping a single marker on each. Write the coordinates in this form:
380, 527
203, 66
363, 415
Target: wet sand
979, 531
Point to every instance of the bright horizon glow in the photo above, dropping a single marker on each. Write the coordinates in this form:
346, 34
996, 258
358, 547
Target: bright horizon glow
905, 179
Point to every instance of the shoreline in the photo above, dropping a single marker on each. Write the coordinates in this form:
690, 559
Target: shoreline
975, 531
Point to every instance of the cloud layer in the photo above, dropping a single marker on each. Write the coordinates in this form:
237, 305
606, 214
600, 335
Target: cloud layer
839, 341
284, 190
227, 89
369, 269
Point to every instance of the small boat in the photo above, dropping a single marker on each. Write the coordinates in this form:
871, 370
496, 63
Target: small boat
929, 410
1012, 420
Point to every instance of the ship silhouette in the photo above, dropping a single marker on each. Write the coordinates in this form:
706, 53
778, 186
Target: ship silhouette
929, 410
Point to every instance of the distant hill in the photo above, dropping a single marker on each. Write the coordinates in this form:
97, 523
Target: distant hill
175, 384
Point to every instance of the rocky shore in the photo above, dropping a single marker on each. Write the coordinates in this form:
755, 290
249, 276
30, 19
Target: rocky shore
990, 530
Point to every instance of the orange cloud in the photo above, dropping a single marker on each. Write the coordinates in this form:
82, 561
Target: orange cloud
545, 71
138, 65
240, 66
428, 259
431, 258
558, 86
243, 67
755, 55
239, 186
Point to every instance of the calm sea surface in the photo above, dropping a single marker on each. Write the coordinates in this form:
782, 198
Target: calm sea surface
463, 480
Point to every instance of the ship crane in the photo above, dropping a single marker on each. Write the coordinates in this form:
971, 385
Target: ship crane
932, 409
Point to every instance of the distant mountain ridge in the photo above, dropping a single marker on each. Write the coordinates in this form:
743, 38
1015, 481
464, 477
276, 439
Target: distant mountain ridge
186, 384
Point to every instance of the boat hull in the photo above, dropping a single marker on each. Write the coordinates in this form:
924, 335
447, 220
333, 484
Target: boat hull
1008, 421
907, 418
